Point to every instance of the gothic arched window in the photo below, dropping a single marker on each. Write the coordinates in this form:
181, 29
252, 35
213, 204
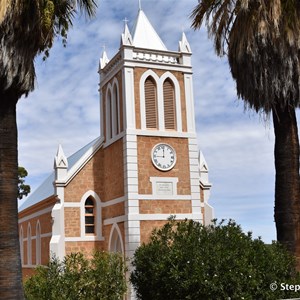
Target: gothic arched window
29, 254
89, 207
109, 116
38, 244
151, 103
169, 104
116, 111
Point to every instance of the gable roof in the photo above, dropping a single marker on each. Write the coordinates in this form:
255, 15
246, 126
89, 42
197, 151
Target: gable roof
46, 189
145, 36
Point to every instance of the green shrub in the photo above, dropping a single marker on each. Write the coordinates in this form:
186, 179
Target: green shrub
76, 278
186, 260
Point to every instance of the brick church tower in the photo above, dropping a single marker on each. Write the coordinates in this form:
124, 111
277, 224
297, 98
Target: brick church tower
147, 108
144, 167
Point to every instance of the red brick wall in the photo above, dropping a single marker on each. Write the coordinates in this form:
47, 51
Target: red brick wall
165, 207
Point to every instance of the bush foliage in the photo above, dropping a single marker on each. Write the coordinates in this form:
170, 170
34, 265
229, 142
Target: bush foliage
186, 260
77, 278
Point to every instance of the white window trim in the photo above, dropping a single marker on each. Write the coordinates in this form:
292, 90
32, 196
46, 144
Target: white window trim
29, 245
98, 217
159, 81
142, 96
108, 108
38, 243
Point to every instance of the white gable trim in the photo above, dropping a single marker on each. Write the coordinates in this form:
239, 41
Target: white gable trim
83, 160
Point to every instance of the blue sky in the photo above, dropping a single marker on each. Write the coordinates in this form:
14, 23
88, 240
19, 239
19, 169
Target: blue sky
64, 108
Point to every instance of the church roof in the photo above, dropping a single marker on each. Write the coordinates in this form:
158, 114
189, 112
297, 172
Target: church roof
46, 189
145, 36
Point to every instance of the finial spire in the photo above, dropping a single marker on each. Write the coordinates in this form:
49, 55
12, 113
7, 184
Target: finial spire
140, 5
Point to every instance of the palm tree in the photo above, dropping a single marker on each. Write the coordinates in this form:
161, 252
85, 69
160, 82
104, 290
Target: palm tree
27, 29
262, 41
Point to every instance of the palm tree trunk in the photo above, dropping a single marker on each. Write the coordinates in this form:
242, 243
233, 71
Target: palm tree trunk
10, 262
287, 181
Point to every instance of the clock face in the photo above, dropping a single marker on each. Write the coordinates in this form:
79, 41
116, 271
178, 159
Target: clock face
163, 157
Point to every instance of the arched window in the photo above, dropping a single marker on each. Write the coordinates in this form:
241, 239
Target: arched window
29, 258
108, 116
38, 244
151, 103
21, 238
169, 104
89, 207
116, 111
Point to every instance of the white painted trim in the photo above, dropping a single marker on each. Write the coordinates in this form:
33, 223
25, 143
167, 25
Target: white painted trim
114, 139
83, 239
101, 114
49, 234
115, 110
142, 97
36, 214
29, 244
113, 202
195, 180
72, 204
178, 108
189, 97
33, 237
98, 215
83, 160
103, 204
38, 243
114, 220
160, 133
108, 113
160, 100
115, 228
132, 63
161, 66
128, 98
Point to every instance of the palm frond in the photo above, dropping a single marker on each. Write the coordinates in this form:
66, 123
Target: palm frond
262, 40
87, 6
218, 16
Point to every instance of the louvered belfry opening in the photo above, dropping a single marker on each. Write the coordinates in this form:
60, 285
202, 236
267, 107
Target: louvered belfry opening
169, 105
151, 103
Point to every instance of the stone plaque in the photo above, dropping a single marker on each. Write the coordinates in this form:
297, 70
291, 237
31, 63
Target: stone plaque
164, 188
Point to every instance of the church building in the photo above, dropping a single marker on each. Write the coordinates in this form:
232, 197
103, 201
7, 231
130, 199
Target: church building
144, 166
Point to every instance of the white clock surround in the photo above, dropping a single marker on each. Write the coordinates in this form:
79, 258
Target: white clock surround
163, 157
